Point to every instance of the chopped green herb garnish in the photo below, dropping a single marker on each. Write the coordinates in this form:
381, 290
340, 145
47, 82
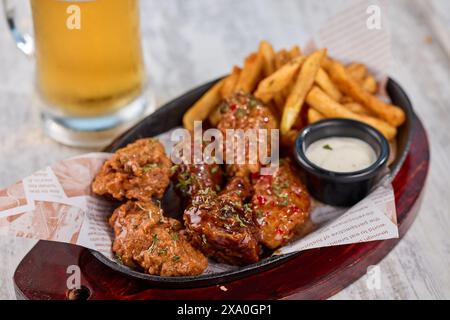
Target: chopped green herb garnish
241, 222
278, 186
285, 201
174, 169
227, 210
224, 108
184, 183
240, 112
276, 189
327, 147
149, 166
174, 236
253, 102
162, 252
154, 242
214, 169
205, 191
237, 204
247, 208
176, 258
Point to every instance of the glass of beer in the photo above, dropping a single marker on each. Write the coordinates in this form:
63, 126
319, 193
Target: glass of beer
90, 74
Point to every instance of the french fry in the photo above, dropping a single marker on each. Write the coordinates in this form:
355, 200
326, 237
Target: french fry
227, 89
304, 83
281, 58
388, 112
215, 116
251, 73
295, 52
320, 101
357, 108
279, 101
278, 80
360, 73
314, 116
230, 82
268, 54
346, 99
370, 84
357, 71
324, 82
288, 139
266, 50
201, 109
326, 63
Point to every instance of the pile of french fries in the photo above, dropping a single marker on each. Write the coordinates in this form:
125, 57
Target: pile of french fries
288, 80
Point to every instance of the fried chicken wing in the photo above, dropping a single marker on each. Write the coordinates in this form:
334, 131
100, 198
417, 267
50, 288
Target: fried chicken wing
281, 204
218, 222
242, 112
139, 171
222, 226
189, 178
145, 239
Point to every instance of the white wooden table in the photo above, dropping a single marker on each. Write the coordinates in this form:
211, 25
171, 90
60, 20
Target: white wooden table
187, 43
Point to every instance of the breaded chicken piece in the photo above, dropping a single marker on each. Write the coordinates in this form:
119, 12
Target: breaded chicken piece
145, 239
139, 171
281, 204
242, 112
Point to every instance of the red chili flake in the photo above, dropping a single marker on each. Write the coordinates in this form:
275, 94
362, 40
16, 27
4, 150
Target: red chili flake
255, 175
280, 231
294, 209
233, 107
261, 200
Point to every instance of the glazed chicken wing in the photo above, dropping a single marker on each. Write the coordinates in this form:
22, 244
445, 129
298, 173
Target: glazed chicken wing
189, 179
144, 238
219, 224
139, 171
222, 226
281, 204
242, 112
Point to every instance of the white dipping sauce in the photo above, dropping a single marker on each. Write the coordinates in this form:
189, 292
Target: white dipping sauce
341, 154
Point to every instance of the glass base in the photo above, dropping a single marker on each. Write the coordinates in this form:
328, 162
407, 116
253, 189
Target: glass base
99, 131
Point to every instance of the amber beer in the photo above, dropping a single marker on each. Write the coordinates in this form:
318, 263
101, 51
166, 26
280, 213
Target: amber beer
89, 58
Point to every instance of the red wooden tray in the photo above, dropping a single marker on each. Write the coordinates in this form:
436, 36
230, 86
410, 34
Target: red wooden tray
313, 274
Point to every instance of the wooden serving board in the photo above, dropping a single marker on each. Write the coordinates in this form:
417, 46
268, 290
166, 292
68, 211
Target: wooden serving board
313, 274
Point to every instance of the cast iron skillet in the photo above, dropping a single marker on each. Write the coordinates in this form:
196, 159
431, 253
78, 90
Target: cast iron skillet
170, 115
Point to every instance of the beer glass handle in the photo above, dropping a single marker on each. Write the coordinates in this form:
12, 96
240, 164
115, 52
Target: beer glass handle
23, 40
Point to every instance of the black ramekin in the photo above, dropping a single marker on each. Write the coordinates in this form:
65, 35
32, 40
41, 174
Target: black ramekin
335, 188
